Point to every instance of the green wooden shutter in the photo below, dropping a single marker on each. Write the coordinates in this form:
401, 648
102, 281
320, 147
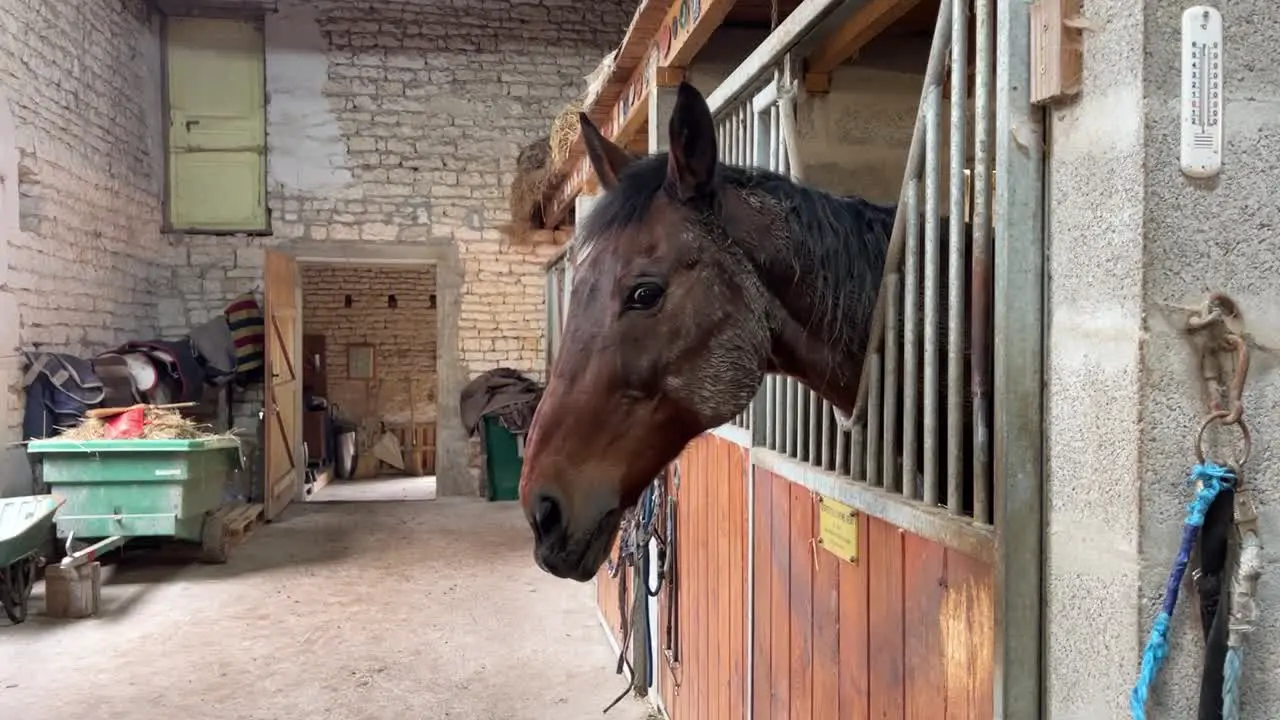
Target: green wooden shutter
217, 126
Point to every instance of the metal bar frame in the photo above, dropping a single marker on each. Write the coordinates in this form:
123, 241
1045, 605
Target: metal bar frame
1018, 367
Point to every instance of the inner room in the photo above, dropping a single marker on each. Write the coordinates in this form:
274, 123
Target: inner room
369, 381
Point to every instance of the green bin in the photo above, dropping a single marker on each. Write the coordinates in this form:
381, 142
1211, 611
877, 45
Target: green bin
137, 488
503, 460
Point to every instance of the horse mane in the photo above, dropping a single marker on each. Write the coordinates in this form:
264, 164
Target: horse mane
837, 245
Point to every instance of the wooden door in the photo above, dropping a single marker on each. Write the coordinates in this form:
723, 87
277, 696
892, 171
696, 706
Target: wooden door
283, 402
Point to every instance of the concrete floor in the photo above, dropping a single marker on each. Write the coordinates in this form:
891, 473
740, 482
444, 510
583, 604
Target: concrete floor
382, 489
343, 611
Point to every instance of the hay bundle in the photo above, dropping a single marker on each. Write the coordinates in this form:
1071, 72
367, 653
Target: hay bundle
564, 133
158, 424
564, 128
534, 173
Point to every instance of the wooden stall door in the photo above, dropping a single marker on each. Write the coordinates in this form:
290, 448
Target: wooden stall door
283, 382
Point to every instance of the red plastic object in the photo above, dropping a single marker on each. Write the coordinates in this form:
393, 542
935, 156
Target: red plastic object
126, 426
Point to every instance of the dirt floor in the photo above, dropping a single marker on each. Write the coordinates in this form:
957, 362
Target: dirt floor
342, 611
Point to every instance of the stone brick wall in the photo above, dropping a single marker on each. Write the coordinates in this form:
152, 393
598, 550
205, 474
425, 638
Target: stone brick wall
393, 127
404, 338
83, 264
422, 108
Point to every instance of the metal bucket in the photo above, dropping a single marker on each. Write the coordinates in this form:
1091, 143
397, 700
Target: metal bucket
346, 456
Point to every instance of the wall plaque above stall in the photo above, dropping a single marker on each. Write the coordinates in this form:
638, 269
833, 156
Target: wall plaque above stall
838, 528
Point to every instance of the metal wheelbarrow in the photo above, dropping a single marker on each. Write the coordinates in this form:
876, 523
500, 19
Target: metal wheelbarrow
24, 525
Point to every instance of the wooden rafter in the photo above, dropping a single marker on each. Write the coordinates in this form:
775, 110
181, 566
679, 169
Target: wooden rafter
874, 18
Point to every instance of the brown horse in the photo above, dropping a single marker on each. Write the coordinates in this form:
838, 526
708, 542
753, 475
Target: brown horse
696, 279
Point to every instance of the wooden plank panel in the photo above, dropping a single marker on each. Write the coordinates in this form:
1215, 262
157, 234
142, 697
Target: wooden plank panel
703, 638
924, 580
780, 604
855, 630
884, 614
737, 707
826, 635
967, 628
684, 573
666, 680
721, 519
761, 588
734, 589
802, 558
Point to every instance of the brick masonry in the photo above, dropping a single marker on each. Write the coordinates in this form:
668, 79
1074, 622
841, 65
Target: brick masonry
83, 263
403, 338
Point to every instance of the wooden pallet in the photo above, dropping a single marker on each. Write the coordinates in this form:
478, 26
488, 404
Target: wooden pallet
226, 528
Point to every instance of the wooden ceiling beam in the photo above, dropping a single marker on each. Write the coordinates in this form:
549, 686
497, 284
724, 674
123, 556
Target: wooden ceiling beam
868, 22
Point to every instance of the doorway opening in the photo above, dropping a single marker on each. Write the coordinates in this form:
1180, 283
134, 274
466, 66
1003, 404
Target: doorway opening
369, 381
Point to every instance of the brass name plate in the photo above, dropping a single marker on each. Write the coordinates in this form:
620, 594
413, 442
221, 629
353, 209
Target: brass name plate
838, 529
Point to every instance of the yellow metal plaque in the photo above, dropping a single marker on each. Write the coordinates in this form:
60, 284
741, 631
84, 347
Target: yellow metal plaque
838, 529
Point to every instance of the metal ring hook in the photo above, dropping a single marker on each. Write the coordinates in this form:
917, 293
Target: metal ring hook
1246, 437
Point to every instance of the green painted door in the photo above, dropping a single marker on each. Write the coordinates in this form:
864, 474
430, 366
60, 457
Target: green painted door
217, 125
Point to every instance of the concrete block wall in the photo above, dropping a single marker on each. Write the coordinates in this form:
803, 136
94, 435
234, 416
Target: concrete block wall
83, 264
1123, 400
393, 129
403, 338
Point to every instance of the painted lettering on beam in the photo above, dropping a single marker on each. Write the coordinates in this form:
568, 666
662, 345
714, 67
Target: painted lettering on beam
677, 27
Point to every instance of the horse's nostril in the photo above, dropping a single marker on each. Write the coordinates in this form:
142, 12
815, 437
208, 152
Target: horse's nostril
547, 519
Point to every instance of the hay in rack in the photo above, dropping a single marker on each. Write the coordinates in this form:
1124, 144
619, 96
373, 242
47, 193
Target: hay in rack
534, 174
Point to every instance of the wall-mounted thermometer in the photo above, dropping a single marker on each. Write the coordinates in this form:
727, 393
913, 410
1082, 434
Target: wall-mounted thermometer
1201, 92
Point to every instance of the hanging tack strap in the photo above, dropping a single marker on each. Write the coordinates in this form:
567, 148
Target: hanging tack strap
1212, 479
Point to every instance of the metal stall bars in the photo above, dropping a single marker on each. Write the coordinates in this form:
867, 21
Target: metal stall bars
753, 132
916, 401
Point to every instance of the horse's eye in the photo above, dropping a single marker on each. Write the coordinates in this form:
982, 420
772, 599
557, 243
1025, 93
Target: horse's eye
644, 296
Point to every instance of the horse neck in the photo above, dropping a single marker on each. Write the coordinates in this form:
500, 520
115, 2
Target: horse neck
826, 279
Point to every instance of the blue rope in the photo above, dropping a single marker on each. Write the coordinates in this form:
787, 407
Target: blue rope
1231, 684
1213, 478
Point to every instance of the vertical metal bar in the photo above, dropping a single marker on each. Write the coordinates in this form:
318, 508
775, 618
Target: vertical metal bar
802, 422
792, 392
815, 429
857, 450
956, 256
843, 464
911, 342
828, 441
876, 397
775, 147
932, 149
980, 284
771, 411
1018, 370
889, 426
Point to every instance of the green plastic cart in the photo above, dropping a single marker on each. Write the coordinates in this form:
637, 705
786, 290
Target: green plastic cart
121, 489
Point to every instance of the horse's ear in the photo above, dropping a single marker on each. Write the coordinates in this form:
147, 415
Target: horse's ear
691, 159
607, 159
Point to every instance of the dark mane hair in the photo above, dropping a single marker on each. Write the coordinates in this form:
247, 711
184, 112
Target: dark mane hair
838, 244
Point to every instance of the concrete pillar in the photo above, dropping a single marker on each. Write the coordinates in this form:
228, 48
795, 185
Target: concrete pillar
1123, 402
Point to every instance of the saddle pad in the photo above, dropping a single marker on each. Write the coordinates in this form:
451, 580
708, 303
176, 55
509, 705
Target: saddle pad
248, 332
142, 370
174, 359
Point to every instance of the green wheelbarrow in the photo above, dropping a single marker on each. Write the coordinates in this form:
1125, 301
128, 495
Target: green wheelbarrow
24, 524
